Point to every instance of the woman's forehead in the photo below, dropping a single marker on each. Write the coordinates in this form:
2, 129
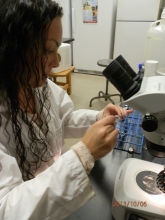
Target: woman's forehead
55, 31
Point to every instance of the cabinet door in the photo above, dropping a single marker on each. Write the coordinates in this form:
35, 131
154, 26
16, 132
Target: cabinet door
139, 10
130, 41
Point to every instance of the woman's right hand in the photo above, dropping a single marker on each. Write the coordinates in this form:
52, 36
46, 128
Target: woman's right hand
101, 137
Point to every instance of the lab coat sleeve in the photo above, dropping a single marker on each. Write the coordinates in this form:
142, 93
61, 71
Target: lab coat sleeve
53, 194
75, 123
78, 123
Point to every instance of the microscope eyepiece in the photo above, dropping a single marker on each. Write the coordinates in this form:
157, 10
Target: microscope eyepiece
128, 68
122, 81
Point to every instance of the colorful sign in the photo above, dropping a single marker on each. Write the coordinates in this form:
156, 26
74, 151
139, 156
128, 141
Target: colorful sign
90, 11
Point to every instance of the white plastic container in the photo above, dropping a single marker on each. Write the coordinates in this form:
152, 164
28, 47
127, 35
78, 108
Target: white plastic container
155, 47
65, 54
150, 68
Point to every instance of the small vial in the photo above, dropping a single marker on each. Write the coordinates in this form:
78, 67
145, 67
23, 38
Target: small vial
130, 151
118, 119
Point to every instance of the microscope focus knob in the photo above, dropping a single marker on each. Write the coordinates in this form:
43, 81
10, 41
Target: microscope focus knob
150, 123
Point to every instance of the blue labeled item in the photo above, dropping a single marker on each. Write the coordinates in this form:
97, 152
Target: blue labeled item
140, 66
130, 132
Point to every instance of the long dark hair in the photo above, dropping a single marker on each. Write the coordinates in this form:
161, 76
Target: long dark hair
23, 28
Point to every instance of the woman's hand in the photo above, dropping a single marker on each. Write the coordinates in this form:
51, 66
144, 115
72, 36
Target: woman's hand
101, 137
111, 109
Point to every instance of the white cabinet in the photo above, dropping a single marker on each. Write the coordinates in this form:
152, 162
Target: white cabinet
132, 23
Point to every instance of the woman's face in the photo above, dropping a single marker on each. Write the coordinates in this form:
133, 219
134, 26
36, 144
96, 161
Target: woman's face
53, 42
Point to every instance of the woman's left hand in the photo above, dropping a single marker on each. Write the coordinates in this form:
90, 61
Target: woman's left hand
111, 109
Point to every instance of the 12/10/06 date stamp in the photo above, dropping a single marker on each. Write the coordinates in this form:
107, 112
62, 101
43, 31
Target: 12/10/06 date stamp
130, 203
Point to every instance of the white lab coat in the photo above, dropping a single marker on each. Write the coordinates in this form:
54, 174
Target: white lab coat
61, 185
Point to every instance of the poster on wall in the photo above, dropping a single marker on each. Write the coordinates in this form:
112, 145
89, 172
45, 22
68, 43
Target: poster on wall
90, 11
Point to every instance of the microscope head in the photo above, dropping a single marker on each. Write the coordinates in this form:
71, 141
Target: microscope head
146, 95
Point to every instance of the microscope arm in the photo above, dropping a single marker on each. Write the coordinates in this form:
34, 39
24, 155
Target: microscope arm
150, 101
151, 96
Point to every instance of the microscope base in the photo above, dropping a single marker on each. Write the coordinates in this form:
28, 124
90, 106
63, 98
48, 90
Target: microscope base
136, 195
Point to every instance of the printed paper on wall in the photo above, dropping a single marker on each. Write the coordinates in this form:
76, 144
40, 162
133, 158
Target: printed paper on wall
90, 11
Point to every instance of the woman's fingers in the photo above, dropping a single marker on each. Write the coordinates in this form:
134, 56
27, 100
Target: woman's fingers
101, 137
110, 119
111, 109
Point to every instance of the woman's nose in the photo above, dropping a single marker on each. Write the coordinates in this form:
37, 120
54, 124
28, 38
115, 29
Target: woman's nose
55, 60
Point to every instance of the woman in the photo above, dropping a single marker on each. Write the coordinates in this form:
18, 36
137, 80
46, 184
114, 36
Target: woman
38, 179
